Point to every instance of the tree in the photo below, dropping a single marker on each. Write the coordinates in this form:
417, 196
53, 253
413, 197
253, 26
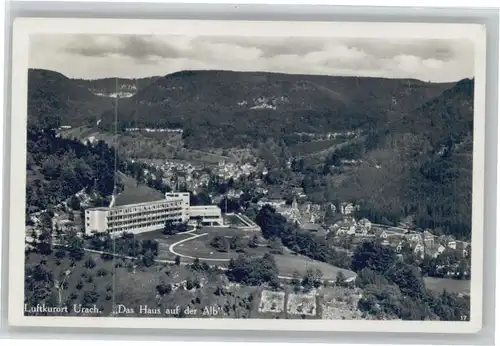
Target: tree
74, 203
60, 253
340, 278
148, 259
229, 205
90, 263
236, 243
271, 223
39, 283
369, 277
253, 271
408, 279
312, 278
163, 289
170, 228
102, 272
220, 243
295, 277
46, 222
374, 256
251, 212
89, 298
189, 284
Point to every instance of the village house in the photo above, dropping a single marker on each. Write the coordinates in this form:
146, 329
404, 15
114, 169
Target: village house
440, 250
361, 232
419, 250
382, 234
399, 247
315, 208
234, 193
315, 228
393, 241
261, 191
451, 243
344, 227
428, 234
434, 249
464, 248
275, 203
333, 208
448, 241
347, 208
414, 237
365, 224
307, 208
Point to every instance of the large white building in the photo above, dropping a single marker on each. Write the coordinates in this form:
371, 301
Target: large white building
150, 216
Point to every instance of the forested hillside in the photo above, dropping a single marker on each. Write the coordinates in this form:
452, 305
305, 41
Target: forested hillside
224, 109
55, 100
58, 168
421, 165
108, 86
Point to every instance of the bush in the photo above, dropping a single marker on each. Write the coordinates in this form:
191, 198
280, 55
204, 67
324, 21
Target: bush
102, 272
90, 263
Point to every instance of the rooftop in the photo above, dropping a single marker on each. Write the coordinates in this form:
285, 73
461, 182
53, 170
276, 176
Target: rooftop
309, 226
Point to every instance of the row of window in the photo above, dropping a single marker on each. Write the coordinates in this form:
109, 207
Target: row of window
131, 228
150, 213
144, 208
144, 219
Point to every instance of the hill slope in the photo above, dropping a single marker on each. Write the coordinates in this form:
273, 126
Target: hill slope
417, 151
422, 165
224, 109
127, 87
54, 100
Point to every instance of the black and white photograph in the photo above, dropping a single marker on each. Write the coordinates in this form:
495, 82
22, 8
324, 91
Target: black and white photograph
327, 174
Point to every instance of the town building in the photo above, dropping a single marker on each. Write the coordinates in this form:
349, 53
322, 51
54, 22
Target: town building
365, 225
347, 208
275, 203
150, 216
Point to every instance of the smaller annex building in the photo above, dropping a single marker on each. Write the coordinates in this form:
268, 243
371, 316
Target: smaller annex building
150, 216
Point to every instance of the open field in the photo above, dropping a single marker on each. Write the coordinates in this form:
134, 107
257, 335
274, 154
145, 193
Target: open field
450, 285
196, 245
272, 301
301, 304
84, 133
133, 193
306, 148
203, 157
339, 303
289, 263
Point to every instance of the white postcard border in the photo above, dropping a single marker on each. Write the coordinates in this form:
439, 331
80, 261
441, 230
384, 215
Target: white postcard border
24, 27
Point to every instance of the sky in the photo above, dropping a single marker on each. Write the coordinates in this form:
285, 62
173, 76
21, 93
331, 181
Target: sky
133, 56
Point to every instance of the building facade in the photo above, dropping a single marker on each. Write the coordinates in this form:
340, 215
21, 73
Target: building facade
150, 216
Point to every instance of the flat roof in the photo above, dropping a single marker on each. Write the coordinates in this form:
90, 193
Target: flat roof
135, 204
211, 206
